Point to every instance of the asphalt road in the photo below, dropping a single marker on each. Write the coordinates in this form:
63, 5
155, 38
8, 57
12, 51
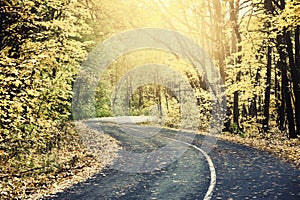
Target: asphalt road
228, 171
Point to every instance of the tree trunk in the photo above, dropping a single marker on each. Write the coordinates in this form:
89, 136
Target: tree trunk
236, 103
297, 70
285, 88
158, 96
267, 92
287, 97
141, 100
280, 102
295, 73
219, 37
253, 105
236, 39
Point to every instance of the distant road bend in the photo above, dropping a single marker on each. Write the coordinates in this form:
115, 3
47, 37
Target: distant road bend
229, 171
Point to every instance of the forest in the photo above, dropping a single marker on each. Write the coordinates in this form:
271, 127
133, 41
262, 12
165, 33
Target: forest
255, 44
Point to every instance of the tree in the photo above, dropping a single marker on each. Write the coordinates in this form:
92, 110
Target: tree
41, 46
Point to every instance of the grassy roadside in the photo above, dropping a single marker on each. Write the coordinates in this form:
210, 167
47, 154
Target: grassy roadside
71, 163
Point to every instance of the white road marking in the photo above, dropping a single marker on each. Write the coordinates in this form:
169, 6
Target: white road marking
213, 175
212, 170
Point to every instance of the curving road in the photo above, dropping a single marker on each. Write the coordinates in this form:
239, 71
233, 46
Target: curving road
229, 171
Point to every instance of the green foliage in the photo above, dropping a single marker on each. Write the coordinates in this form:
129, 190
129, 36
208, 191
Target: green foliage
102, 101
234, 128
